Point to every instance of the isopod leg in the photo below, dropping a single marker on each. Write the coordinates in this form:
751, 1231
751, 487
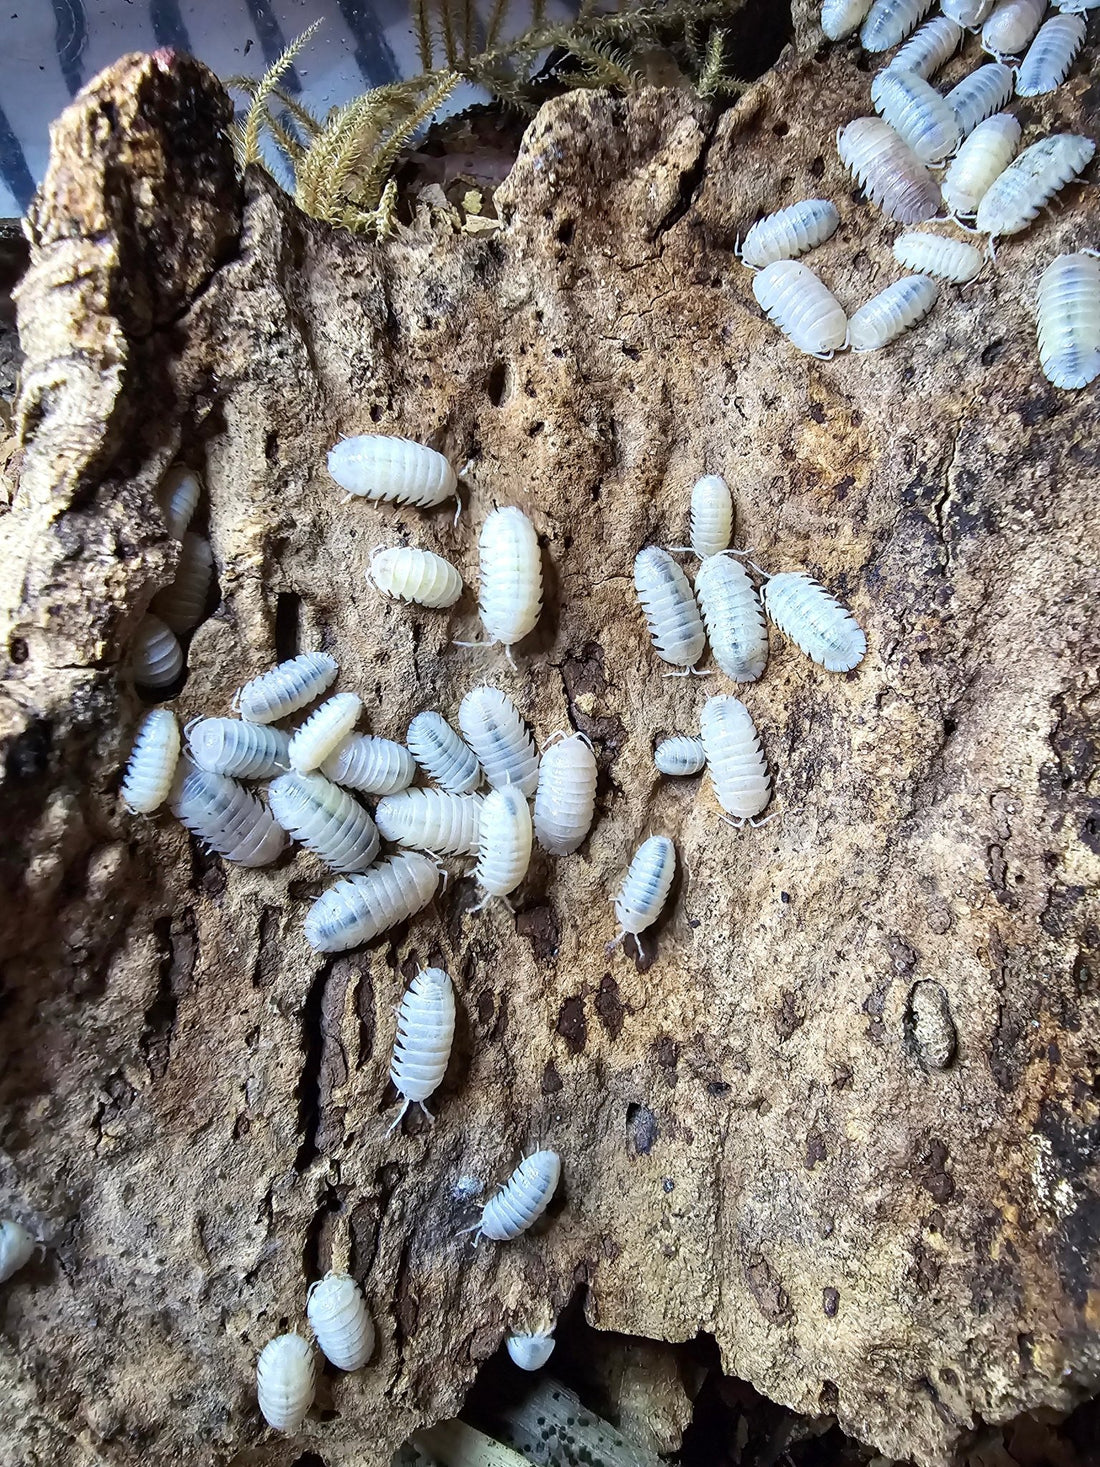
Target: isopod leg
613, 944
400, 1117
427, 1112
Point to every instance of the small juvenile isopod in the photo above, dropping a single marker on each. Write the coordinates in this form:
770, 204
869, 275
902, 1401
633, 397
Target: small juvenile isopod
325, 727
425, 1030
521, 1201
641, 897
888, 171
530, 1352
1050, 55
931, 48
968, 13
984, 155
178, 495
417, 575
802, 306
1011, 26
735, 758
338, 1316
357, 909
370, 765
979, 95
325, 819
286, 688
815, 621
680, 756
442, 755
492, 727
156, 658
890, 21
789, 233
711, 515
431, 820
892, 312
668, 603
16, 1247
733, 617
504, 851
229, 818
152, 764
1068, 320
285, 1381
510, 571
1032, 180
243, 750
565, 800
936, 254
840, 18
917, 113
395, 470
182, 604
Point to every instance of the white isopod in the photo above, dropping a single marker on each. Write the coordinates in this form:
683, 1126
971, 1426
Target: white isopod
325, 727
565, 800
530, 1352
325, 819
338, 1316
802, 306
1011, 26
1032, 180
510, 570
416, 575
1076, 7
680, 756
492, 727
979, 95
668, 602
357, 909
931, 48
285, 1381
395, 470
984, 155
178, 495
841, 18
431, 820
1068, 320
711, 515
229, 818
521, 1201
182, 604
641, 898
16, 1247
735, 758
936, 254
890, 21
441, 753
370, 765
156, 657
243, 750
425, 1030
504, 852
917, 113
968, 13
789, 233
286, 688
892, 312
888, 171
733, 617
1050, 55
152, 764
815, 621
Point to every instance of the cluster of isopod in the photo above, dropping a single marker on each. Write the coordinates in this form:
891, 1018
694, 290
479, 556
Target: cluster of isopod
985, 188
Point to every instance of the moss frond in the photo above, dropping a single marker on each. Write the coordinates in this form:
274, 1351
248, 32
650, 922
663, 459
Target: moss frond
258, 111
383, 158
423, 22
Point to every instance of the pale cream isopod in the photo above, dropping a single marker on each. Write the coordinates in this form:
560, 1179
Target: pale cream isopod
323, 730
284, 689
156, 657
411, 574
152, 765
565, 800
285, 1381
339, 1320
181, 605
396, 470
510, 569
802, 306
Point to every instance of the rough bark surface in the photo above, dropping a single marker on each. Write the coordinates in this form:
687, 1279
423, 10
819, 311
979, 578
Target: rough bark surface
767, 1133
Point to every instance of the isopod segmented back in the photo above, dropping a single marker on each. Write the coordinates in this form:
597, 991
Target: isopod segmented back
510, 570
16, 1247
284, 689
789, 233
641, 898
384, 467
711, 515
324, 729
229, 818
358, 908
441, 753
802, 306
890, 21
735, 757
1050, 55
929, 49
733, 617
411, 574
814, 620
668, 604
1011, 27
892, 312
338, 1317
181, 604
371, 765
938, 255
156, 657
979, 95
1013, 200
523, 1198
506, 837
565, 800
431, 820
841, 18
425, 1031
917, 113
492, 727
1068, 320
178, 496
889, 172
285, 1381
325, 819
680, 756
152, 764
984, 155
241, 750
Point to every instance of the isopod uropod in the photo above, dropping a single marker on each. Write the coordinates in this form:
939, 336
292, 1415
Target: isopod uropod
358, 908
917, 113
431, 820
889, 172
229, 818
383, 467
979, 95
815, 621
733, 617
1068, 320
1011, 26
530, 1352
565, 800
735, 758
152, 764
1050, 55
231, 746
156, 657
411, 574
938, 255
892, 312
325, 727
929, 49
890, 21
325, 819
338, 1316
16, 1247
789, 233
641, 897
492, 727
680, 756
441, 754
1013, 200
668, 602
425, 1030
285, 1381
984, 155
521, 1201
510, 571
840, 18
178, 495
370, 765
711, 515
284, 689
504, 853
802, 306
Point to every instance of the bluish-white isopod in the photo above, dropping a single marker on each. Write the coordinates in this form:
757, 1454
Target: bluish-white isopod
178, 495
425, 1030
967, 13
431, 820
680, 756
286, 688
888, 171
890, 21
788, 233
530, 1352
1050, 55
979, 95
337, 1314
229, 818
641, 898
370, 765
917, 113
16, 1247
1068, 320
522, 1200
841, 18
152, 764
441, 753
733, 617
815, 621
182, 604
668, 602
892, 312
394, 470
411, 574
325, 819
492, 727
504, 852
243, 750
735, 757
984, 155
510, 571
285, 1381
1011, 26
1076, 7
357, 909
325, 727
937, 254
931, 48
156, 657
802, 306
565, 800
1013, 200
711, 515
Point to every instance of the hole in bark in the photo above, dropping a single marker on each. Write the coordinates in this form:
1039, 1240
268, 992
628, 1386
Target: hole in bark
757, 35
308, 1092
18, 650
565, 230
308, 1459
288, 620
497, 383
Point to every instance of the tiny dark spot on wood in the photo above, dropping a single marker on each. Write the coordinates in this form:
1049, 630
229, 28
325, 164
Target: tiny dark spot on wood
572, 1025
667, 1053
540, 926
551, 1080
815, 1150
781, 129
18, 650
817, 167
609, 1008
641, 1126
